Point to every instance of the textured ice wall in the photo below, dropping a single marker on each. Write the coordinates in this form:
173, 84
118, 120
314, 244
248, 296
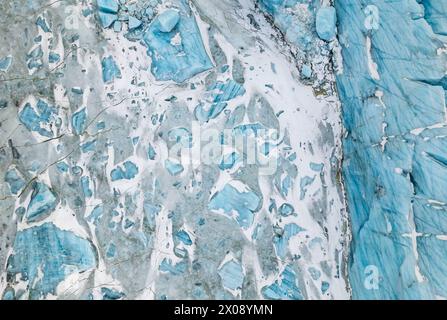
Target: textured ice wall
96, 98
392, 88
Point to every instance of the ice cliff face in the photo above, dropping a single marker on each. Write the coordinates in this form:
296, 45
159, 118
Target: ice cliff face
192, 149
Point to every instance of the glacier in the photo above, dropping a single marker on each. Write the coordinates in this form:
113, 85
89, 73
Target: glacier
393, 95
223, 149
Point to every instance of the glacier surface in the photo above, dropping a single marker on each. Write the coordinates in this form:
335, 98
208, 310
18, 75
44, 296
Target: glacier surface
392, 88
223, 149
